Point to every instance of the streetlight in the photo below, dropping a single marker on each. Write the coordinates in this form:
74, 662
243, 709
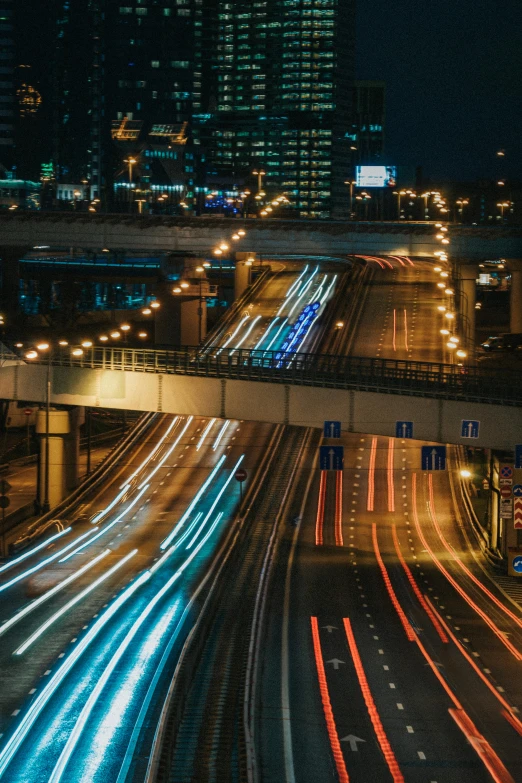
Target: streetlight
502, 206
426, 197
46, 506
125, 328
351, 183
399, 193
130, 162
260, 173
461, 203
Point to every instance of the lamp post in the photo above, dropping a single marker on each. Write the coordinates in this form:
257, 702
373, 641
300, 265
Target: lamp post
502, 206
130, 162
31, 355
461, 203
399, 193
426, 197
351, 183
260, 173
200, 270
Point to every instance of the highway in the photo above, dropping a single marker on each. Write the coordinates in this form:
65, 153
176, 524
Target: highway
390, 652
365, 643
94, 616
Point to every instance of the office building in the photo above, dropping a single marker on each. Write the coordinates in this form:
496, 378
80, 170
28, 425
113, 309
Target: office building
369, 112
7, 86
281, 98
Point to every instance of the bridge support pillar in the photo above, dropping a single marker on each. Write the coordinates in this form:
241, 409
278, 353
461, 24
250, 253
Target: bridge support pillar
468, 296
242, 274
10, 278
63, 452
181, 320
515, 301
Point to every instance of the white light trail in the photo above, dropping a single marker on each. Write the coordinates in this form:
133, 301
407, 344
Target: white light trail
303, 292
107, 527
49, 594
205, 433
105, 511
32, 551
38, 705
240, 343
45, 562
164, 544
168, 453
218, 498
155, 449
292, 291
265, 335
234, 333
220, 434
272, 341
76, 600
74, 736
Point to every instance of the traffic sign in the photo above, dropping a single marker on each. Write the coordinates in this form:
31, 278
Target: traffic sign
240, 474
517, 564
404, 429
518, 456
4, 487
505, 492
28, 411
517, 490
506, 471
332, 429
470, 428
433, 458
518, 514
4, 502
506, 508
331, 457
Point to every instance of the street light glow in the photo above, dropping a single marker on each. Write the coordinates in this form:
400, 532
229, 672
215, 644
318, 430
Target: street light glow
43, 346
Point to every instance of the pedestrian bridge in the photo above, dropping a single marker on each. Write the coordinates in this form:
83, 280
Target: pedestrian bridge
366, 395
198, 235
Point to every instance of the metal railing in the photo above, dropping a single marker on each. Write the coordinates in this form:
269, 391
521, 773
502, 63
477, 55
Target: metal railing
425, 379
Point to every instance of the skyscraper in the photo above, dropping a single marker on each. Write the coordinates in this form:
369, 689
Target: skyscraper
7, 86
283, 74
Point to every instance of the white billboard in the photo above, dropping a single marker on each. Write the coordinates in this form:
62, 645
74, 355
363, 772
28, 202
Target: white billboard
376, 176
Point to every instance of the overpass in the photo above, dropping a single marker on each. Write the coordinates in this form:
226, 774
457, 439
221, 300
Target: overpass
366, 395
198, 235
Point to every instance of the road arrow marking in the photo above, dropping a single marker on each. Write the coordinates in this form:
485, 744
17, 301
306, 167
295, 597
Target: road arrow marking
353, 740
330, 628
335, 662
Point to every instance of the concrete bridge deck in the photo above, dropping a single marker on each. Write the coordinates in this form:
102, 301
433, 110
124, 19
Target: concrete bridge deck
366, 395
201, 234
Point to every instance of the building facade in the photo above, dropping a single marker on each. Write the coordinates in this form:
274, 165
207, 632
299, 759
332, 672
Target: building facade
7, 86
281, 98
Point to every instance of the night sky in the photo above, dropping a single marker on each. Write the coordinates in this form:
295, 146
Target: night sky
453, 70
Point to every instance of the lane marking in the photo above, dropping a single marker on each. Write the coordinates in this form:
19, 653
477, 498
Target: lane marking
378, 728
416, 590
319, 520
391, 488
339, 509
389, 587
371, 475
327, 706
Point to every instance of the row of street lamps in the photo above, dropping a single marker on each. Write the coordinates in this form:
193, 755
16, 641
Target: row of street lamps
448, 329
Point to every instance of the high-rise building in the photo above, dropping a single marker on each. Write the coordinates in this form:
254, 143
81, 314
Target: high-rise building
369, 110
281, 100
7, 85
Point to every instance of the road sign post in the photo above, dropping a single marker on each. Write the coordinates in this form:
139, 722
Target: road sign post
470, 428
240, 475
331, 457
28, 412
332, 429
433, 458
404, 429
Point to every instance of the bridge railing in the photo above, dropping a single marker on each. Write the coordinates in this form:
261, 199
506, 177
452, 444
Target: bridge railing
427, 379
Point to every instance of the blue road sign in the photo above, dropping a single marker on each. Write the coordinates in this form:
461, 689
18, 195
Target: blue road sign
517, 490
470, 428
518, 456
434, 458
332, 429
404, 429
517, 564
331, 457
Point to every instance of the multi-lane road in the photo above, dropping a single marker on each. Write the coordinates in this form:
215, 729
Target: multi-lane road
392, 654
384, 650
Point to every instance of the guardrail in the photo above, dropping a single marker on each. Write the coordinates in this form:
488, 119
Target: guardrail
424, 379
